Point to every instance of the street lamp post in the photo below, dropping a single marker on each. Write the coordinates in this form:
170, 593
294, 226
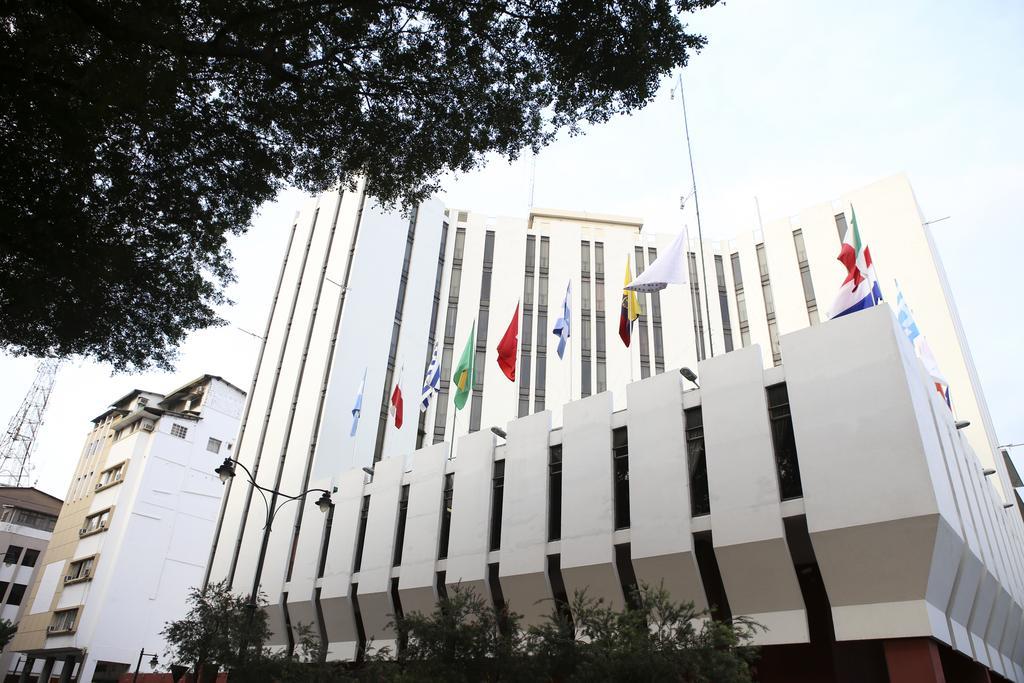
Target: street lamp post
138, 665
226, 471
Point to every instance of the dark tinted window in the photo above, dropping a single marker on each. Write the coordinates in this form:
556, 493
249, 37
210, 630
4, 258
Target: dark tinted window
700, 499
29, 560
784, 442
555, 493
620, 462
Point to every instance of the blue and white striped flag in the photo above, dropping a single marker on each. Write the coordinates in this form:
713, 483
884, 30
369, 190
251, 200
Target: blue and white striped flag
357, 409
563, 326
432, 380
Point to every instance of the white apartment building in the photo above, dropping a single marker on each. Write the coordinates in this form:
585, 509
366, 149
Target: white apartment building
134, 534
362, 290
27, 519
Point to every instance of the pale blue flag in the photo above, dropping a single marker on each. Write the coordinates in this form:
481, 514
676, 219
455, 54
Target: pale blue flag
563, 326
357, 409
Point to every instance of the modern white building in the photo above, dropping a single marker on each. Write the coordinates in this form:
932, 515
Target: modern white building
134, 533
27, 519
362, 290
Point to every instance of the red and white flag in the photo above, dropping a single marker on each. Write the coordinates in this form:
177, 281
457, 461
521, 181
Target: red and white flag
397, 403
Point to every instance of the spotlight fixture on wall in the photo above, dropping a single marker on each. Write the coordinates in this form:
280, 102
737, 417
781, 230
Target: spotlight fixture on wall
960, 424
689, 375
988, 471
368, 470
499, 432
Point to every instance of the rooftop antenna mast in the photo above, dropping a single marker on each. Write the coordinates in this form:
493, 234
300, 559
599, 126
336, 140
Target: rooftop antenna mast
19, 440
696, 205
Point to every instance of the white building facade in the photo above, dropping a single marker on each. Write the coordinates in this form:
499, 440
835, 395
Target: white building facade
149, 504
362, 290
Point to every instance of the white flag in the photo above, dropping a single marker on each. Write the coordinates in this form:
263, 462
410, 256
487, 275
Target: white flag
668, 269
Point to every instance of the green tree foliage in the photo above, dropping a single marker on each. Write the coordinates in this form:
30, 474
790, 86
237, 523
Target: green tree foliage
221, 631
465, 640
136, 136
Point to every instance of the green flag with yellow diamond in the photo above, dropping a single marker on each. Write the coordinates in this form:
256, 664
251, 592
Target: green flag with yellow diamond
463, 377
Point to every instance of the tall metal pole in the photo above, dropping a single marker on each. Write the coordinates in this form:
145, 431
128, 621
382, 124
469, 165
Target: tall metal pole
700, 234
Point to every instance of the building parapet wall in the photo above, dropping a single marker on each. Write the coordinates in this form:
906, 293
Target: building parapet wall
907, 532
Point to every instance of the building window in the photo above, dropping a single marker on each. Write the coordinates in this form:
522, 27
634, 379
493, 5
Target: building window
13, 554
30, 518
446, 514
96, 522
645, 344
585, 317
723, 302
477, 398
784, 442
111, 476
403, 513
213, 445
700, 498
179, 431
29, 558
698, 317
555, 493
3, 590
769, 304
841, 225
601, 378
497, 498
364, 514
80, 570
396, 330
542, 325
805, 276
620, 464
659, 339
64, 621
441, 400
421, 430
526, 333
17, 593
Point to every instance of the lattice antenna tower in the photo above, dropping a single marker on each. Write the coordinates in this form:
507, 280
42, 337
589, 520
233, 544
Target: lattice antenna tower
19, 440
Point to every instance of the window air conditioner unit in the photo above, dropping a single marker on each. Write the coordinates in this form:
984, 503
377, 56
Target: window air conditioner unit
147, 426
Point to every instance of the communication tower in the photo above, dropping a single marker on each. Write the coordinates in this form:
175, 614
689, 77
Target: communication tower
19, 439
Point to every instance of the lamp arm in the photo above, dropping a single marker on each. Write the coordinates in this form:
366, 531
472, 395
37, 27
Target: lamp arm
289, 499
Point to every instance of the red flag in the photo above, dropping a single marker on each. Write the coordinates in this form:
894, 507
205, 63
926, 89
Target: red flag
507, 347
396, 405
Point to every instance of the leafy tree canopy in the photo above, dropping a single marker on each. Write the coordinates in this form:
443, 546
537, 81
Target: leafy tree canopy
136, 136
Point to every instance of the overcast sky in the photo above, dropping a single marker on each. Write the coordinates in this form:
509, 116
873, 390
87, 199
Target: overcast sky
793, 102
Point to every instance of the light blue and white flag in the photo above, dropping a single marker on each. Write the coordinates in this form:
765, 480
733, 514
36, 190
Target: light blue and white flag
920, 344
563, 326
357, 409
432, 380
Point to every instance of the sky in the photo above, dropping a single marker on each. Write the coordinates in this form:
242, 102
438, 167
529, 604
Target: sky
792, 102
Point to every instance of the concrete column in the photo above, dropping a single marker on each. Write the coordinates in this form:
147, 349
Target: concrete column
44, 675
67, 668
913, 660
26, 670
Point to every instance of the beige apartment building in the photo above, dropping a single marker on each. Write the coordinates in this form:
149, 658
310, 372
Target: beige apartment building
133, 536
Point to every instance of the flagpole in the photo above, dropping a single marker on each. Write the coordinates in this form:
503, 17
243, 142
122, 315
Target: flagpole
451, 434
700, 235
